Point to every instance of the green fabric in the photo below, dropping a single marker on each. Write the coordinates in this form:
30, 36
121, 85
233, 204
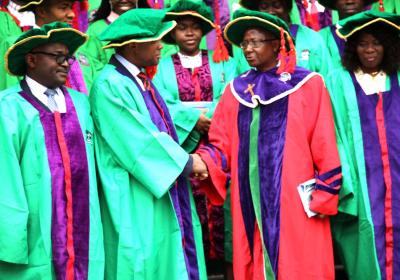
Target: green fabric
314, 57
228, 241
392, 6
183, 117
354, 22
254, 181
142, 235
352, 228
94, 5
25, 198
331, 46
196, 9
140, 24
8, 26
244, 19
7, 80
55, 32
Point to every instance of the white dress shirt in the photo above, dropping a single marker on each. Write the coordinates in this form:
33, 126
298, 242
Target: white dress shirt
38, 90
191, 61
132, 68
371, 84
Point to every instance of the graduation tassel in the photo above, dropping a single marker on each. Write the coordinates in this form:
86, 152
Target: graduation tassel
282, 56
291, 64
151, 71
220, 51
381, 8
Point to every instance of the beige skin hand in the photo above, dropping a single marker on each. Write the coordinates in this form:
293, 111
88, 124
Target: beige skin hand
199, 168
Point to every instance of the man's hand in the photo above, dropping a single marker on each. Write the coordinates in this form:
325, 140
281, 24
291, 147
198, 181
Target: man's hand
199, 168
203, 124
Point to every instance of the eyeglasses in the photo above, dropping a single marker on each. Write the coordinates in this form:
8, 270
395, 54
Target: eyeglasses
255, 43
60, 58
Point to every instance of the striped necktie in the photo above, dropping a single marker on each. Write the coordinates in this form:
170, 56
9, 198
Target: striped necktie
51, 102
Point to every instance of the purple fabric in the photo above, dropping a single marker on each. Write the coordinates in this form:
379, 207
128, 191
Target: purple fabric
339, 42
246, 201
75, 78
184, 79
179, 193
271, 142
267, 80
293, 30
224, 12
80, 186
374, 166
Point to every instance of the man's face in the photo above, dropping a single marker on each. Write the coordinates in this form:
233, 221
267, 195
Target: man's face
121, 6
43, 67
260, 49
147, 54
187, 35
370, 53
274, 7
56, 10
348, 8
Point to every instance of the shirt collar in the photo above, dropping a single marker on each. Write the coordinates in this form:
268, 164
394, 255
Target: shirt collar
132, 68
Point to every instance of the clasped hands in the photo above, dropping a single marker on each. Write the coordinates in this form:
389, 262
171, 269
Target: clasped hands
199, 170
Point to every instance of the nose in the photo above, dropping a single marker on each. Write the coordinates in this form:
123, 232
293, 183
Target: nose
70, 14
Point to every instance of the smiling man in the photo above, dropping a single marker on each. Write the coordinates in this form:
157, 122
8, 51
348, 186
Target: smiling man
151, 227
49, 205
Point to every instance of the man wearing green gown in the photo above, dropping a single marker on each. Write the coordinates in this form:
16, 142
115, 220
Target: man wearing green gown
151, 227
49, 210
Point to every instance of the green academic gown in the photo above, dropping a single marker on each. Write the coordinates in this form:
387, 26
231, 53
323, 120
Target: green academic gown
185, 118
312, 56
352, 228
333, 44
138, 167
32, 187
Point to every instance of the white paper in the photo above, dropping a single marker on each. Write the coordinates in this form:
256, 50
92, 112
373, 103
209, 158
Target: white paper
305, 190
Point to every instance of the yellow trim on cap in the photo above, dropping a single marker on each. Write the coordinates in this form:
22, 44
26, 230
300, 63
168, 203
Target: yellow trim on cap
365, 25
36, 3
191, 13
144, 40
246, 18
10, 49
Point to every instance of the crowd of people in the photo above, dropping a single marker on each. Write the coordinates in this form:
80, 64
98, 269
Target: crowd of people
164, 139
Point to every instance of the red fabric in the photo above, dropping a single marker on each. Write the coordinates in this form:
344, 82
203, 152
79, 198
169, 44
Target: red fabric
324, 202
68, 194
305, 247
380, 122
195, 81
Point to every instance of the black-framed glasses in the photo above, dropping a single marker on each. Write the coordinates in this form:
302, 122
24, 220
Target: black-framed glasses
60, 58
255, 43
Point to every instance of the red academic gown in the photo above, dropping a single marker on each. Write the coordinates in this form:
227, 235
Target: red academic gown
296, 142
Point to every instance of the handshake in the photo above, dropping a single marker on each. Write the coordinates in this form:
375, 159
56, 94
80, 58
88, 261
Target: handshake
199, 170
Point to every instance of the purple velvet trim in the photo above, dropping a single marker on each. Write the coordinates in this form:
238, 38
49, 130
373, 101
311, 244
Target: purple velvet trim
80, 186
325, 176
339, 42
184, 79
224, 12
271, 142
267, 84
374, 166
246, 201
83, 19
75, 78
179, 192
293, 30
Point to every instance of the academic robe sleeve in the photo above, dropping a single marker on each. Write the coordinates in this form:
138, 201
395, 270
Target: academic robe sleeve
152, 157
13, 203
322, 141
216, 153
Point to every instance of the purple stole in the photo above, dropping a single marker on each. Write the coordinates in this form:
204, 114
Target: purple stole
66, 152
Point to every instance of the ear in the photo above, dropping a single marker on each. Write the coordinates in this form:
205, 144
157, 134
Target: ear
276, 46
30, 60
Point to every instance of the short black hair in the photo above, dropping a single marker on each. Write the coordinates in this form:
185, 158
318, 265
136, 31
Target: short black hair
387, 36
104, 9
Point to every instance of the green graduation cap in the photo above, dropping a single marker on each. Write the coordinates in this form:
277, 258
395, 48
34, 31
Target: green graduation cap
197, 9
331, 4
55, 32
31, 5
137, 26
357, 22
253, 4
